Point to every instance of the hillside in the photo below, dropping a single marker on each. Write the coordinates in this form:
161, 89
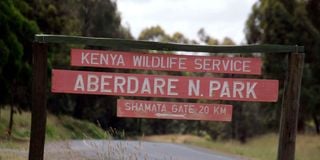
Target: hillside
58, 127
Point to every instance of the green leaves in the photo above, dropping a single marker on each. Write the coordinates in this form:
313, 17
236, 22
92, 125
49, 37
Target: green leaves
289, 22
16, 33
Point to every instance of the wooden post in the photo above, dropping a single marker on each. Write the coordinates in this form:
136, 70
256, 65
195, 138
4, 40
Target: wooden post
290, 108
39, 101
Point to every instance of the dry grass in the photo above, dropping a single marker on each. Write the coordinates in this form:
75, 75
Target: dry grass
13, 149
308, 147
172, 138
258, 148
57, 128
11, 156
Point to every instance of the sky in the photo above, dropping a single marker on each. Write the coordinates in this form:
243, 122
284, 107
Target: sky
219, 18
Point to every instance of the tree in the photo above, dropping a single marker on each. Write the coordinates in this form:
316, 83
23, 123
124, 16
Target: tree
154, 33
205, 38
99, 18
289, 22
313, 12
15, 41
228, 41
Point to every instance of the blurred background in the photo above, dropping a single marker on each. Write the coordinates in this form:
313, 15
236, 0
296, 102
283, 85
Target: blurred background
204, 22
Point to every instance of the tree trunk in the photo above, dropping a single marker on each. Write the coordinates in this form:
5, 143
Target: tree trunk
234, 122
139, 122
198, 127
242, 132
11, 120
13, 93
316, 122
301, 120
81, 102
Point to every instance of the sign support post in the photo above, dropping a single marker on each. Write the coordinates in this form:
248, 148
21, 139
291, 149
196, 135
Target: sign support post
290, 107
39, 101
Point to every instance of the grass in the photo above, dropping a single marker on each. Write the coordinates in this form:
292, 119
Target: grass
57, 128
64, 127
259, 148
11, 156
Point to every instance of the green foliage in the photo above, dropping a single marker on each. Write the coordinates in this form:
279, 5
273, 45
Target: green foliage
154, 33
290, 22
205, 38
15, 44
81, 129
57, 128
100, 18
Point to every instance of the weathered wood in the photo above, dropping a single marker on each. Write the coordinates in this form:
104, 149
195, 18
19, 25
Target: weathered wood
290, 108
133, 44
39, 101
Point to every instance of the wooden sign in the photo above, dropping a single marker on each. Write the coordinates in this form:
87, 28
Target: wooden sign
103, 83
167, 62
83, 82
173, 110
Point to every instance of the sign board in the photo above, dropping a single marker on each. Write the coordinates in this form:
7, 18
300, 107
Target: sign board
103, 83
174, 110
167, 62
